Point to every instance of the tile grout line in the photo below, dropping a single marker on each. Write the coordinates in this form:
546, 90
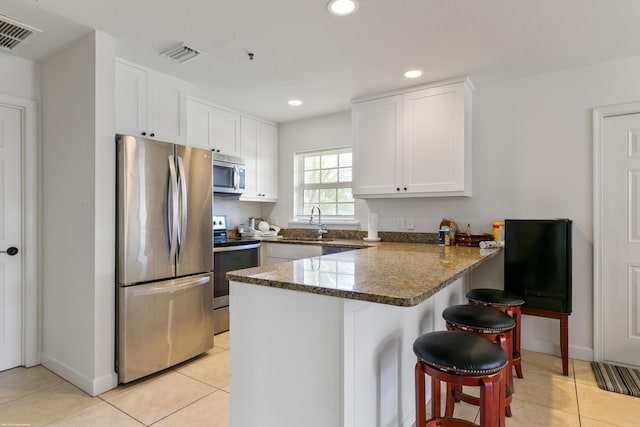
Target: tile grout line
120, 410
186, 406
575, 386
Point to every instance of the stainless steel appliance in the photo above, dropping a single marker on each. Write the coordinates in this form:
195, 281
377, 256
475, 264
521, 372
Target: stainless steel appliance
164, 259
228, 174
230, 254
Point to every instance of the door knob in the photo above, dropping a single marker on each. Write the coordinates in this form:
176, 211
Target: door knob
10, 251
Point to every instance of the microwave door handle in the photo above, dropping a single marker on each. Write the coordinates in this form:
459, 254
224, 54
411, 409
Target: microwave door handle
182, 230
172, 207
236, 178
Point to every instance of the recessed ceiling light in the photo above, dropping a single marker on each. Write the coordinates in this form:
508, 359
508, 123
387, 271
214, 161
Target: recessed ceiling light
295, 102
412, 74
342, 7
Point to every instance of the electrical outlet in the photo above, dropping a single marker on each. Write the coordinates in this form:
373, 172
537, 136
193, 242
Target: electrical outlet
400, 224
411, 224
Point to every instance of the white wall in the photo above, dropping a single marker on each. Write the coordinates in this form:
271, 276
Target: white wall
237, 212
329, 131
532, 158
20, 77
78, 176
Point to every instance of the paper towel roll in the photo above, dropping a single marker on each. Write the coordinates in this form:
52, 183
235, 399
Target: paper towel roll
373, 226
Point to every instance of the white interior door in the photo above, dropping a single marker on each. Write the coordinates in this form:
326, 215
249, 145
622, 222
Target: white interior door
10, 236
621, 239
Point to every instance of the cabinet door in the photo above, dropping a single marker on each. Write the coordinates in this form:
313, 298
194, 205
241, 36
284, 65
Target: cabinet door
249, 132
268, 162
131, 99
434, 140
289, 251
377, 146
167, 116
226, 132
198, 124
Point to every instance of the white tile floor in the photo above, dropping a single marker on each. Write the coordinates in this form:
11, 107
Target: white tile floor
197, 394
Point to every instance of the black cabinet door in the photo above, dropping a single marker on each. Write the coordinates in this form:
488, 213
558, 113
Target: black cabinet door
537, 262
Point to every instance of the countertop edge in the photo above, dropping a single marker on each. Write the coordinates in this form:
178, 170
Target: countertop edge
363, 296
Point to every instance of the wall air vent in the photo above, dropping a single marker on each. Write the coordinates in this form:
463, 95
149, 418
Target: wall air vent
182, 53
15, 34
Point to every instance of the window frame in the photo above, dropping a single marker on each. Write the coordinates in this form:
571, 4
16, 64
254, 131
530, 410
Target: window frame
300, 186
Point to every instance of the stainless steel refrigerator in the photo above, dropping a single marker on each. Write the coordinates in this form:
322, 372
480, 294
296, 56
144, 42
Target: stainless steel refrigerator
164, 255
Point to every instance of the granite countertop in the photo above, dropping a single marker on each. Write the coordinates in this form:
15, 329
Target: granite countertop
401, 274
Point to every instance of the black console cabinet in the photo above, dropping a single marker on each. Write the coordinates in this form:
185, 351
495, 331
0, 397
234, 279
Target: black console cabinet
537, 266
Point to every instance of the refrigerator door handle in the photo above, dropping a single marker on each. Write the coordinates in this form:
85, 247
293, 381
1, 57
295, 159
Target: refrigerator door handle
182, 230
171, 287
172, 209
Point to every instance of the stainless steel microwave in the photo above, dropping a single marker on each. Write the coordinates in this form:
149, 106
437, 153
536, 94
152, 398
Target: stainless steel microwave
228, 174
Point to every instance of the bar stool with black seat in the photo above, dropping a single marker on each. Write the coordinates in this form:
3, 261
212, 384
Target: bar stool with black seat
492, 325
459, 359
507, 302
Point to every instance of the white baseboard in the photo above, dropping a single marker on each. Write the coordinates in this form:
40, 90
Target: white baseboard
548, 347
92, 386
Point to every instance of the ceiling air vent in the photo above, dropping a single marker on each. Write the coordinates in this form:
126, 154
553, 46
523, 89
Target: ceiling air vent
14, 34
182, 53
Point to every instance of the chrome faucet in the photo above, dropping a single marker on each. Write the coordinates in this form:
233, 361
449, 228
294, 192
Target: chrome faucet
322, 229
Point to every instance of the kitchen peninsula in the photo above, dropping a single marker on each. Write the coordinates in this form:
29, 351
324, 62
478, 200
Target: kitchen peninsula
327, 340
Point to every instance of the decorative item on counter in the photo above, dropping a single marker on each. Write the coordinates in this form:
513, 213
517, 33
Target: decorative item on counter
452, 227
443, 235
373, 228
452, 233
490, 244
470, 239
257, 227
498, 231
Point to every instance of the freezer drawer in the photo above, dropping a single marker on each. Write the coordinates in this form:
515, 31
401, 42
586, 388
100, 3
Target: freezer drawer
162, 324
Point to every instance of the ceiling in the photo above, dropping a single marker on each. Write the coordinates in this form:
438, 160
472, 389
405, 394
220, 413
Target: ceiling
301, 51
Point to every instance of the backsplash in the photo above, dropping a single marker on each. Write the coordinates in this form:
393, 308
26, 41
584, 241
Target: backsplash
386, 236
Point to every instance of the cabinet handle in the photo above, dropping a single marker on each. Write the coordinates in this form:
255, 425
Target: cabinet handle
152, 134
398, 189
143, 134
405, 188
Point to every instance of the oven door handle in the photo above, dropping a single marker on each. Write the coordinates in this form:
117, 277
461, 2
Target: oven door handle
235, 248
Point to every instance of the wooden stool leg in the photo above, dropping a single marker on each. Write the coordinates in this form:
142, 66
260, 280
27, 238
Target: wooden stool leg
450, 403
421, 415
564, 343
502, 407
436, 399
515, 312
488, 410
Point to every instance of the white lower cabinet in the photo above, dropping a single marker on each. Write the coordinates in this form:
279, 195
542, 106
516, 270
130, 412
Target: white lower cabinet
365, 373
413, 143
274, 253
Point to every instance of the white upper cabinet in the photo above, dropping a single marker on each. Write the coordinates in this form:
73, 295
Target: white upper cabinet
249, 134
225, 133
259, 148
377, 146
415, 143
213, 128
150, 104
198, 124
268, 162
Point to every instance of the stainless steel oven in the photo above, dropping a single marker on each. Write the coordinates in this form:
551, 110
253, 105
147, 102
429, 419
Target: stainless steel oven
228, 255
